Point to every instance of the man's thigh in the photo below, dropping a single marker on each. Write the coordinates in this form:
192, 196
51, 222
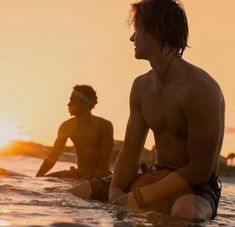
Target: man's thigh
192, 207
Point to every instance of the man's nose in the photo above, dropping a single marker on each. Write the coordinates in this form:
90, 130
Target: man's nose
132, 38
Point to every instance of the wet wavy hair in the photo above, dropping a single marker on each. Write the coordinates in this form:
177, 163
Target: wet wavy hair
88, 91
165, 20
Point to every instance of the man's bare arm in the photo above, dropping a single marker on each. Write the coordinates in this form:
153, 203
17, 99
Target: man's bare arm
107, 147
53, 156
127, 163
205, 114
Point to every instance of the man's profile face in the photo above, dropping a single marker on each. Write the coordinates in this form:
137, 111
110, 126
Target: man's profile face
139, 43
75, 106
143, 43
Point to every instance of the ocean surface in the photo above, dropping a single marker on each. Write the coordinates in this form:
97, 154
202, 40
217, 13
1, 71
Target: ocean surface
31, 201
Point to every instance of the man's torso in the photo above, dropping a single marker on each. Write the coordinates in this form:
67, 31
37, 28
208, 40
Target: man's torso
164, 114
86, 135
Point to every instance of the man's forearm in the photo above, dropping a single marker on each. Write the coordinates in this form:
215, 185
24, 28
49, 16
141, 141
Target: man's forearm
125, 171
50, 161
46, 166
183, 178
163, 188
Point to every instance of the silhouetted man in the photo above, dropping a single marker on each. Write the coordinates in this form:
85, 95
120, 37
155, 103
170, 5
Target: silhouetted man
184, 107
92, 137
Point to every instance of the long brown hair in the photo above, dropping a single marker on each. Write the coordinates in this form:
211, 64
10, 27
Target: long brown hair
165, 20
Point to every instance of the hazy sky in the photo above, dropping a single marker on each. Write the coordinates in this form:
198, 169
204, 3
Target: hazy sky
48, 46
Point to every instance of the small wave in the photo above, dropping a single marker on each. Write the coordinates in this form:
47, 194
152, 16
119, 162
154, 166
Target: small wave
67, 224
13, 189
54, 203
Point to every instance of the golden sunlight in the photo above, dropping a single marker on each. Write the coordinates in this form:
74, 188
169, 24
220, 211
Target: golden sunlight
9, 132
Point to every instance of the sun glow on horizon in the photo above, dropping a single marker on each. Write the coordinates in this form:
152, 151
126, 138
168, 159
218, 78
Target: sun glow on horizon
9, 132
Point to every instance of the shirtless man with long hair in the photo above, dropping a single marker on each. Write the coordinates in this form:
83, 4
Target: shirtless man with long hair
184, 107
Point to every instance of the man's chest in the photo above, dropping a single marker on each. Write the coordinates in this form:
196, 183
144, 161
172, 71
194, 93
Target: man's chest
163, 112
89, 132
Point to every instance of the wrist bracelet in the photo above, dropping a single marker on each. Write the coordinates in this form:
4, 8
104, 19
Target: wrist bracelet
139, 198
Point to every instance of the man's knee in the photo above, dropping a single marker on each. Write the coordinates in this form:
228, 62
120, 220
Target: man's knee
193, 208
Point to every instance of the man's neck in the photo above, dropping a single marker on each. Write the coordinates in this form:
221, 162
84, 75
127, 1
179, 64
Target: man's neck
84, 115
159, 61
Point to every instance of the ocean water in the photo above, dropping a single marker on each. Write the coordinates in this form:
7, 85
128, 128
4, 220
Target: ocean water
31, 201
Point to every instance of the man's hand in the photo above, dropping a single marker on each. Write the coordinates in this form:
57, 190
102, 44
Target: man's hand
115, 193
82, 190
128, 201
39, 175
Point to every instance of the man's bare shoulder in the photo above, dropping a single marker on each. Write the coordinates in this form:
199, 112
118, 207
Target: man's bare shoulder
201, 77
141, 83
144, 78
69, 121
199, 85
189, 77
67, 124
102, 121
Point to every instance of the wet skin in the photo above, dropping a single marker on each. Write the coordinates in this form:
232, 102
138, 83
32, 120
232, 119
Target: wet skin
185, 110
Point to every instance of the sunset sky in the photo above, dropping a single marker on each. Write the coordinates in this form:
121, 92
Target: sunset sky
48, 46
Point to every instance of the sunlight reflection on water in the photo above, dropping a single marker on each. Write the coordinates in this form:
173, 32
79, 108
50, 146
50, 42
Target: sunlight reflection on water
4, 223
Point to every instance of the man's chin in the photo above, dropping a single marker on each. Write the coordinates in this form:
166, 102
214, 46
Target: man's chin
138, 56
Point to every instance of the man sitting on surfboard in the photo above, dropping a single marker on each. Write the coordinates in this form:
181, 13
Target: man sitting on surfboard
92, 137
